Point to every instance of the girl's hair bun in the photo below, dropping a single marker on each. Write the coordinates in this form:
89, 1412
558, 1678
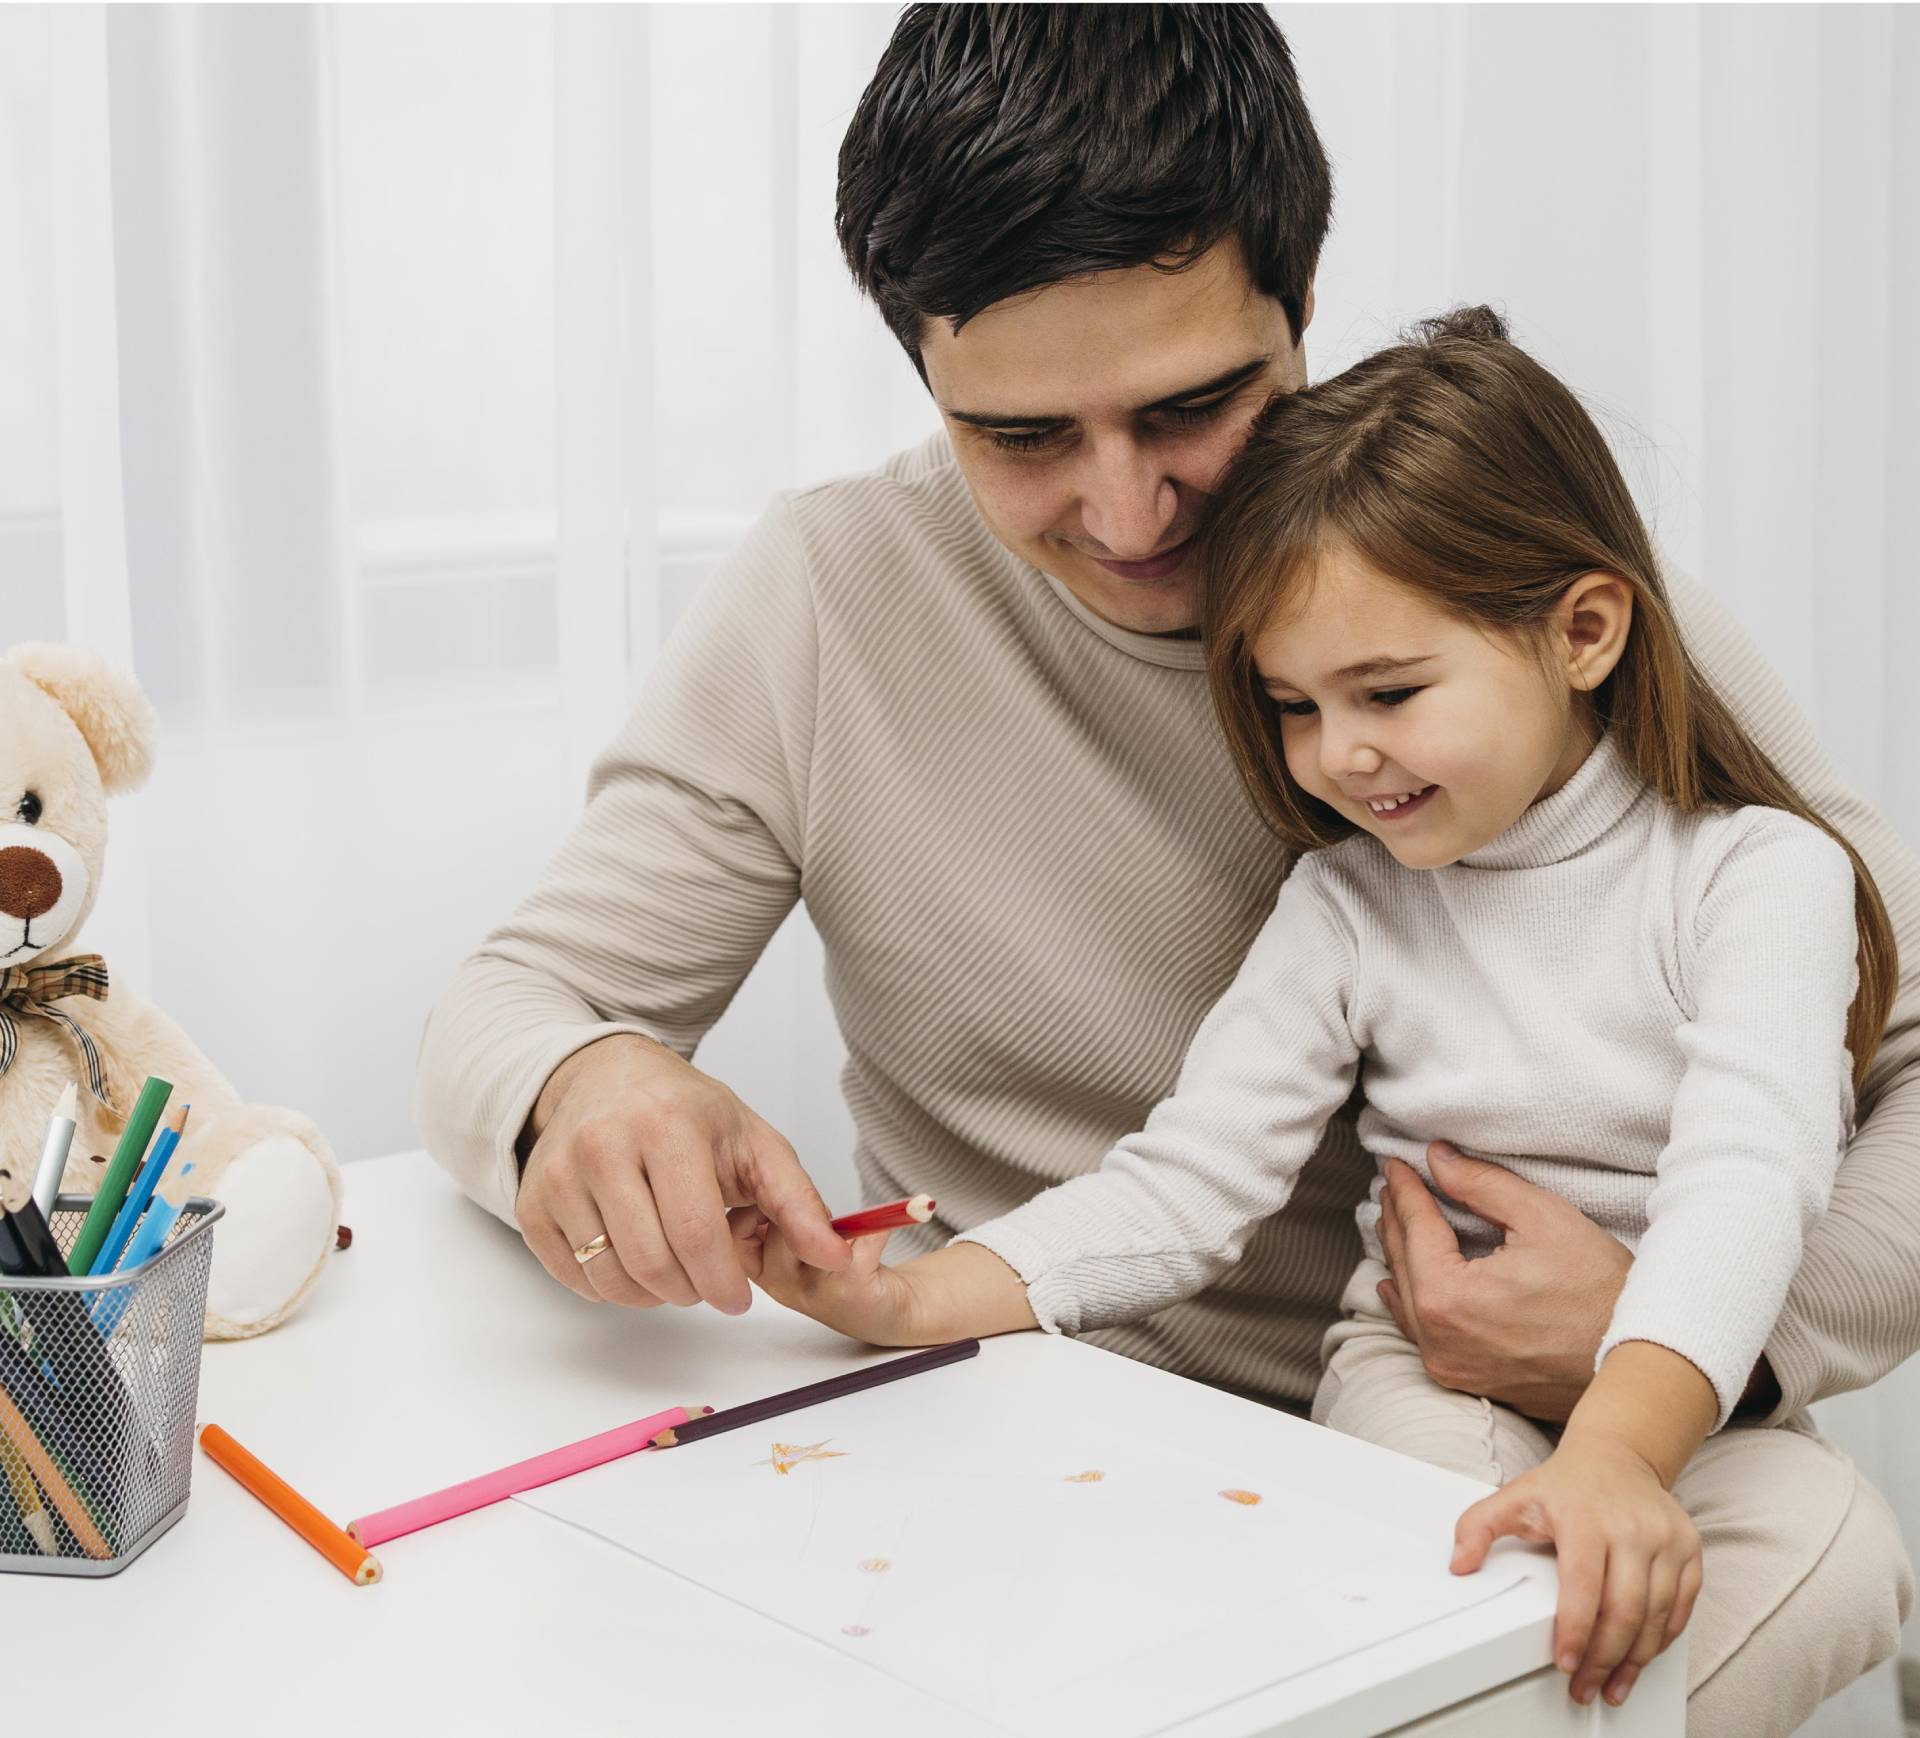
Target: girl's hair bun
1479, 324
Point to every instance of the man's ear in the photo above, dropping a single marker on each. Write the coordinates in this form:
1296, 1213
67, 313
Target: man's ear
114, 717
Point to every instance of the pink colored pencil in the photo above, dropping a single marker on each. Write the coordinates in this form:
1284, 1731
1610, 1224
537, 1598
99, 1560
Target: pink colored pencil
524, 1475
916, 1210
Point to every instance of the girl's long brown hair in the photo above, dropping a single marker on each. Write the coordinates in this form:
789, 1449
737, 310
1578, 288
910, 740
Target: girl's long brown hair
1457, 465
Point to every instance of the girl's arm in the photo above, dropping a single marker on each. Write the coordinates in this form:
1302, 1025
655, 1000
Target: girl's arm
1758, 1125
1765, 1105
1853, 1310
1170, 1207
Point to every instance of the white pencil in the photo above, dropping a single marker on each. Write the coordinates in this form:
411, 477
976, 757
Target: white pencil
53, 1155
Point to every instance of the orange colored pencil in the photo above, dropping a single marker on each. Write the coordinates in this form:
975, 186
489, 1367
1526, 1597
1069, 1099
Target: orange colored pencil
354, 1561
74, 1512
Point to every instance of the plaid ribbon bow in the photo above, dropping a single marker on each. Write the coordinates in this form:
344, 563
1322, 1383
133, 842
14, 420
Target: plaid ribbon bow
33, 989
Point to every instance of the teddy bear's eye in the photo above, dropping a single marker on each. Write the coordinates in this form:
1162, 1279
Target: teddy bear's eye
29, 809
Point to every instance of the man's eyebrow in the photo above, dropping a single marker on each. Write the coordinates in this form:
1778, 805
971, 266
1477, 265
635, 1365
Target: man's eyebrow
1353, 672
1219, 383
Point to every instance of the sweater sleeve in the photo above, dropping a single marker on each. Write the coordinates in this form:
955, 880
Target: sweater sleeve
1170, 1208
1853, 1310
682, 866
1765, 1104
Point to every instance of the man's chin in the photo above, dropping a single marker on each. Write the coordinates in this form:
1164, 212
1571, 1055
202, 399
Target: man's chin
1143, 606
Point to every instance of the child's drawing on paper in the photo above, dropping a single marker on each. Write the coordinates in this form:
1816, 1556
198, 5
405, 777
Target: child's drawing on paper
788, 1455
1091, 1477
1249, 1498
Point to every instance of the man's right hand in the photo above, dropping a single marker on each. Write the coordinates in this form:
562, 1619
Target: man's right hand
629, 1139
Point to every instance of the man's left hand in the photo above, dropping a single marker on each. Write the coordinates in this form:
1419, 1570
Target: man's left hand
1520, 1326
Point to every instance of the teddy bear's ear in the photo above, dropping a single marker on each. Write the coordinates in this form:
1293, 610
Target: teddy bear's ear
107, 705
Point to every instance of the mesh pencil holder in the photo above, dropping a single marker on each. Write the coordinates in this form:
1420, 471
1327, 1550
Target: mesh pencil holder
99, 1378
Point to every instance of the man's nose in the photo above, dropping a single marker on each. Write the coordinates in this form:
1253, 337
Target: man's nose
1128, 501
29, 882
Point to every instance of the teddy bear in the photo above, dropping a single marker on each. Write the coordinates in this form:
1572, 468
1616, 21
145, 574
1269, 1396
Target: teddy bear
73, 731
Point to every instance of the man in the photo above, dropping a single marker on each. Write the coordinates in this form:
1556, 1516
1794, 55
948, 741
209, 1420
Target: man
957, 704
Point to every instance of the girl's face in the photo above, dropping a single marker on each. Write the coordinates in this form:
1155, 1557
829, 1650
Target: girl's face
1431, 733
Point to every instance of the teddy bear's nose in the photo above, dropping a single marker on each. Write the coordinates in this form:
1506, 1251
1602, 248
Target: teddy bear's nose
29, 882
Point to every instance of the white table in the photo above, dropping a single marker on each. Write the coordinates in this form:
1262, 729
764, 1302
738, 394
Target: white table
436, 1348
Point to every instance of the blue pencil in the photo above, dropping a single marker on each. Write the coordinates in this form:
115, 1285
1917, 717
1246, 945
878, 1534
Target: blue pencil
108, 1307
140, 1194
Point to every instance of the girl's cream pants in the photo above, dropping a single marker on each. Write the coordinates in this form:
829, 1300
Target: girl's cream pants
1805, 1583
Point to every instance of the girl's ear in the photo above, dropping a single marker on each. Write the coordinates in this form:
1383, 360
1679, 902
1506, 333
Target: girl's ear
114, 717
1593, 619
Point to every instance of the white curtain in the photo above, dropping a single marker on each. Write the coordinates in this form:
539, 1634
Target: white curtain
381, 380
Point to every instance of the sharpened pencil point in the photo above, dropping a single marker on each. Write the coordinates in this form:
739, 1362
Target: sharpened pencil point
666, 1439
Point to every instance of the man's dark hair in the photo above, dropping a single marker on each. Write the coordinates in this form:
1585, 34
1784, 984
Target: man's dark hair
1001, 148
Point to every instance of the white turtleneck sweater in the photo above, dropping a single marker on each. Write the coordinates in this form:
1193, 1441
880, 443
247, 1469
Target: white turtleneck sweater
1641, 1010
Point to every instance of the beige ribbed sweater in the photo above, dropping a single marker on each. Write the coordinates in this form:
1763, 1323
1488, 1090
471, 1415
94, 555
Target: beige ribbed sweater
1019, 837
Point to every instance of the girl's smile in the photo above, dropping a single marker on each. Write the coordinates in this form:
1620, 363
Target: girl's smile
1430, 733
1398, 807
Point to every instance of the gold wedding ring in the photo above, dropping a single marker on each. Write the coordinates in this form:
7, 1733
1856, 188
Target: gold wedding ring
592, 1247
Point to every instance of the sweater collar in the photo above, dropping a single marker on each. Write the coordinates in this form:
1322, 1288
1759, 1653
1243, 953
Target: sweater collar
1170, 653
1603, 789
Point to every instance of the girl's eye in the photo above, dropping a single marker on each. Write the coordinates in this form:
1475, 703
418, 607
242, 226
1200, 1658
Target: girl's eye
1384, 697
29, 809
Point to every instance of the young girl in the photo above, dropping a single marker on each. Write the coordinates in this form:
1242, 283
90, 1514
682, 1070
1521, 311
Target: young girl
1551, 904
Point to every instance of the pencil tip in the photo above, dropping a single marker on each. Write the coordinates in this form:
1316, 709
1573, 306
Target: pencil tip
69, 1101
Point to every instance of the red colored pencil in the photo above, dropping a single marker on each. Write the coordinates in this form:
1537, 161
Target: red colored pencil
915, 1210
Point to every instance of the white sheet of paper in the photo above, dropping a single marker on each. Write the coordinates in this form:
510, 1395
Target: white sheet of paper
943, 1536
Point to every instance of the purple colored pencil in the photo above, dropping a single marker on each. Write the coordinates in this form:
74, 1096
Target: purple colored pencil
797, 1399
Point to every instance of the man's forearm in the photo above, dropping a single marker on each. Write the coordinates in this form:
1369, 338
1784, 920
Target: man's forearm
1853, 1310
498, 1031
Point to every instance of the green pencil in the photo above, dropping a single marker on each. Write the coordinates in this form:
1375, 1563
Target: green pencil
120, 1174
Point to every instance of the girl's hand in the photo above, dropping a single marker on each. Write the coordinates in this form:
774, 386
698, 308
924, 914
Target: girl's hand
866, 1300
1629, 1558
962, 1291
